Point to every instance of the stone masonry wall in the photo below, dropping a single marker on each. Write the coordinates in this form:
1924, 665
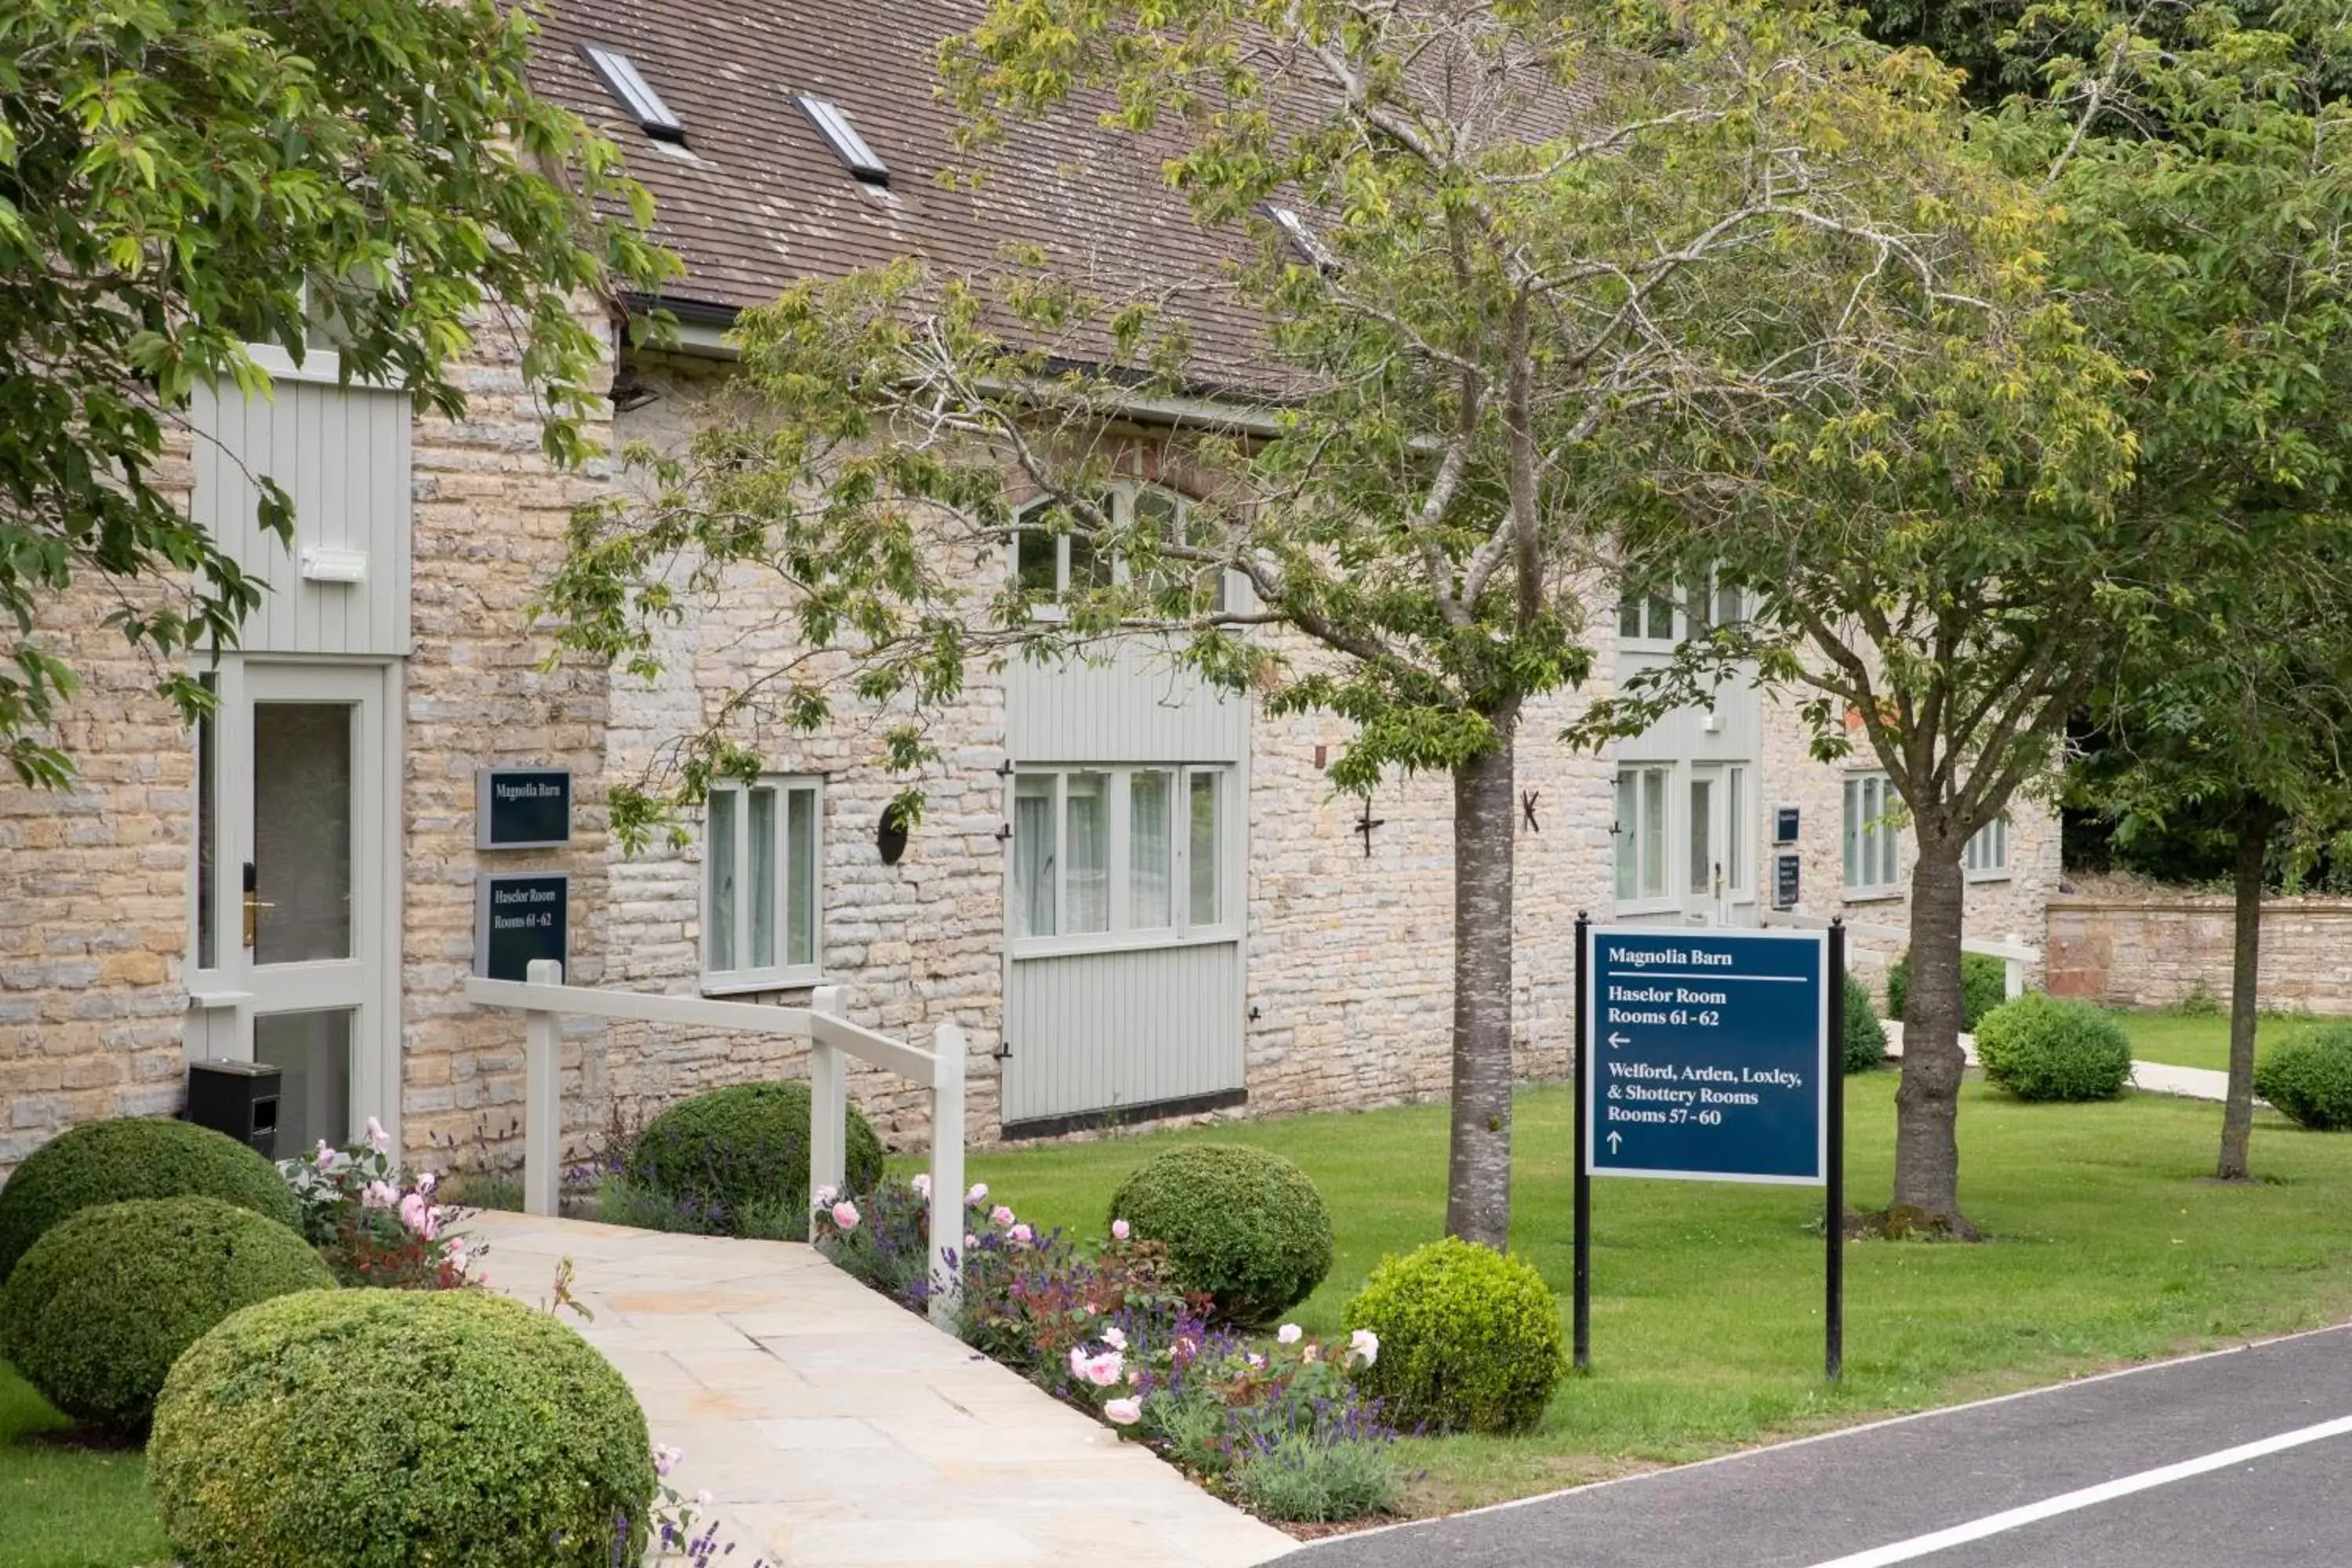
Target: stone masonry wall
2154, 952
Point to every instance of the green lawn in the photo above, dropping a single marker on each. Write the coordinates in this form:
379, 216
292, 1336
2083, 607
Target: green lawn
2202, 1039
64, 1506
1707, 1298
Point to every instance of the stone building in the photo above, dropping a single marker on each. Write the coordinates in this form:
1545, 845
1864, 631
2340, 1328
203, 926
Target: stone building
1140, 898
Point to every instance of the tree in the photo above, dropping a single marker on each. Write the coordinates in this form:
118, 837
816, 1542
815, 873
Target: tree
2208, 255
1547, 266
179, 178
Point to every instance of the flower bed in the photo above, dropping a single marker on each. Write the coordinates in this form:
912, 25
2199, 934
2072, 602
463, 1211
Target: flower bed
375, 1223
1277, 1423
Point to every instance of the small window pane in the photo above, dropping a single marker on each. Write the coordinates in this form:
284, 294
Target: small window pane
1034, 554
207, 829
1151, 851
1629, 834
1701, 837
1203, 849
1087, 883
1629, 618
763, 878
1033, 855
1735, 830
719, 855
1662, 618
1852, 824
1654, 833
1730, 605
800, 872
1089, 568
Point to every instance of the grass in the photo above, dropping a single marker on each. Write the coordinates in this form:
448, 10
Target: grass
66, 1506
2202, 1039
2106, 1250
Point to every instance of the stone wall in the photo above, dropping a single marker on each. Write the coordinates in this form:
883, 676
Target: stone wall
2154, 952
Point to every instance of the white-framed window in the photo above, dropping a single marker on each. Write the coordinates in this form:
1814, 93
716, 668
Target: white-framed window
1126, 854
1737, 853
1050, 564
1662, 618
762, 855
1874, 864
1986, 859
1642, 832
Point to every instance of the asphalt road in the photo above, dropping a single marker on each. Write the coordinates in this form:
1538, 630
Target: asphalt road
2136, 1471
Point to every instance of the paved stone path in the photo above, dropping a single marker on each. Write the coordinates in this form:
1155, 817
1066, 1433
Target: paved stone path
833, 1429
2155, 1078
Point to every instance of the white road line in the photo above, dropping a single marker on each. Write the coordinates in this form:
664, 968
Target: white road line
2089, 1497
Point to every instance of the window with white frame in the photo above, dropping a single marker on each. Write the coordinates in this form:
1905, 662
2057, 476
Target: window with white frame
1986, 858
1053, 557
1117, 852
762, 855
1642, 832
1653, 614
1873, 839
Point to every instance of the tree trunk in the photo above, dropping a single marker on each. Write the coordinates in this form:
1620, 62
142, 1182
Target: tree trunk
1479, 1173
1927, 1103
2254, 819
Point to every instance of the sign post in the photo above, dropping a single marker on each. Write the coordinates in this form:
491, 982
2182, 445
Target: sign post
1710, 1054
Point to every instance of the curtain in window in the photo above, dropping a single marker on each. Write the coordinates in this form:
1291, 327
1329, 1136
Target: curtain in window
1033, 855
1203, 849
1151, 852
1086, 841
801, 877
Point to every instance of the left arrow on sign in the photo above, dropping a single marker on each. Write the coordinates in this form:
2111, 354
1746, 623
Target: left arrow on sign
1617, 1039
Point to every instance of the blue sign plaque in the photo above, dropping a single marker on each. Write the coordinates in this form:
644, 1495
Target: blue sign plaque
1709, 1055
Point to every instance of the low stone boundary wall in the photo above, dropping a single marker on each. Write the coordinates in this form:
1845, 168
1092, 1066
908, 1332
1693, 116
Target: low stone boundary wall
2153, 953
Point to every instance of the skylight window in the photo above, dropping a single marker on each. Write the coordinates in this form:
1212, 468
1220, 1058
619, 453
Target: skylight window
847, 145
1304, 240
637, 95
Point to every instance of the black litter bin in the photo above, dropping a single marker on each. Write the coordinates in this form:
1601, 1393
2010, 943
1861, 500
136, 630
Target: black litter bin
239, 1099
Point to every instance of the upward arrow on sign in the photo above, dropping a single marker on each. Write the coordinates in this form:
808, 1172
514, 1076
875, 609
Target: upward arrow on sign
1615, 1139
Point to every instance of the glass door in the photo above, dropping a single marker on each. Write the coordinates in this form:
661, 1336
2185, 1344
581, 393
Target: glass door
1705, 884
303, 793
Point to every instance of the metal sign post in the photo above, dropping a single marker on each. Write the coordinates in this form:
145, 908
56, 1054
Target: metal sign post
1710, 1054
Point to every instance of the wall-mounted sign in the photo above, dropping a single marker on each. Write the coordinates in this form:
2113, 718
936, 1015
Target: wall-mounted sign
1786, 869
517, 917
523, 809
1784, 824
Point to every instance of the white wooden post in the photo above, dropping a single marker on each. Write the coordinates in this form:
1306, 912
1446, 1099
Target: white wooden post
542, 1097
828, 1103
947, 1172
2012, 983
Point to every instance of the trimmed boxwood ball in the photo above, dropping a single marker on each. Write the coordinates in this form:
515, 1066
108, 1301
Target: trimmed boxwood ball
388, 1428
1470, 1339
2308, 1077
1984, 985
112, 1161
744, 1149
101, 1305
1243, 1224
2050, 1048
1865, 1037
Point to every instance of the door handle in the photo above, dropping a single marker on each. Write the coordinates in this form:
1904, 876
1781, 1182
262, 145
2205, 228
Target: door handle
253, 905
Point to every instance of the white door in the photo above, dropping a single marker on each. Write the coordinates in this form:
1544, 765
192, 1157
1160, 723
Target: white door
305, 794
1706, 875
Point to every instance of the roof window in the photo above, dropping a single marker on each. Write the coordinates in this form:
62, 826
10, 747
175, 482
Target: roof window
847, 145
637, 95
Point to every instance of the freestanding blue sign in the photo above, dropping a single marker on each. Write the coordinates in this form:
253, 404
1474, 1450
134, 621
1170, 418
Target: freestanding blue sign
1709, 1055
1712, 1055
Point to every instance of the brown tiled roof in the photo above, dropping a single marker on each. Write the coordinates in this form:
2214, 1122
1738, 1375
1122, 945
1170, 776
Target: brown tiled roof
762, 202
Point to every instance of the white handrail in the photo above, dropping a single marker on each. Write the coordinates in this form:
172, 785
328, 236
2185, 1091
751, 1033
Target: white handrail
2014, 956
544, 1000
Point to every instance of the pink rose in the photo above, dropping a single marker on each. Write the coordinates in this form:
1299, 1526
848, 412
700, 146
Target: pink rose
378, 1195
1104, 1369
1000, 1214
979, 1193
1119, 1230
665, 1458
326, 1159
1078, 1361
969, 1241
1022, 1233
844, 1214
1115, 1337
1255, 1359
1124, 1412
1364, 1345
378, 1139
922, 1186
825, 1195
1288, 1335
427, 1182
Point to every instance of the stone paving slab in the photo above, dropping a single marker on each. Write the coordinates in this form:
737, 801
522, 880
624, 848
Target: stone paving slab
835, 1431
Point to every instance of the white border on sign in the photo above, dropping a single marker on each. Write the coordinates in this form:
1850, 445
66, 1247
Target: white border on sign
486, 780
1820, 940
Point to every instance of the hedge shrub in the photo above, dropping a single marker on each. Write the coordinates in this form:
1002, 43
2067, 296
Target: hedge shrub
1865, 1037
742, 1155
1470, 1339
389, 1429
112, 1161
100, 1307
1984, 985
2308, 1077
2048, 1047
1243, 1224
